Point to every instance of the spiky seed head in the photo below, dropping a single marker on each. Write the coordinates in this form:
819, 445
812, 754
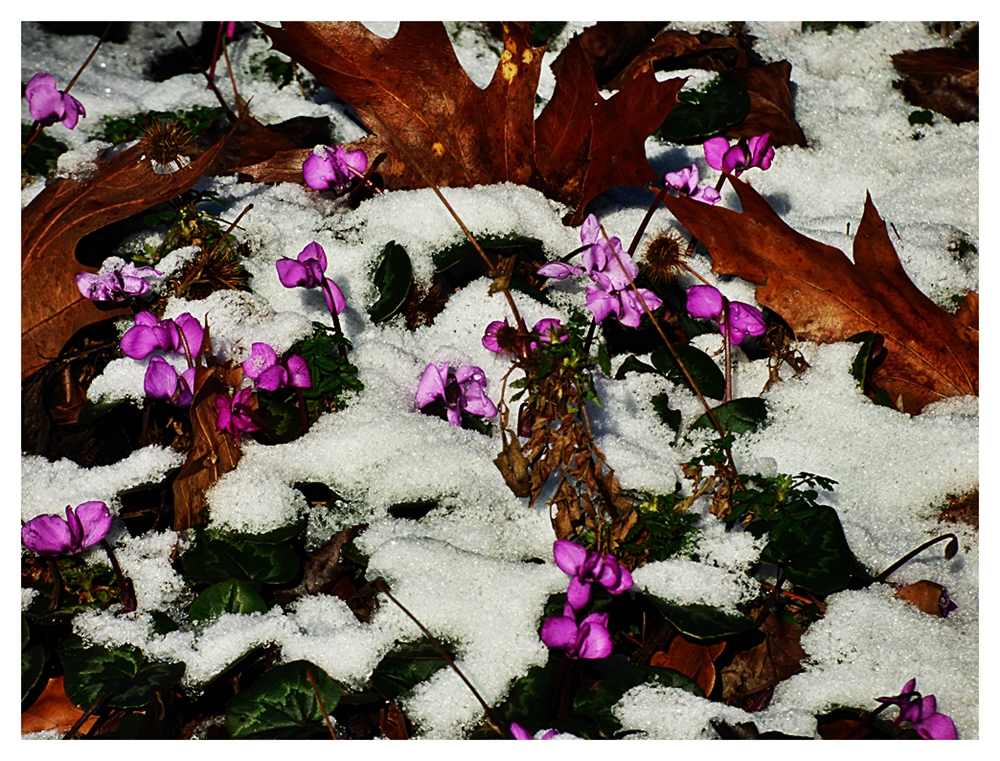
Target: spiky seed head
163, 142
665, 256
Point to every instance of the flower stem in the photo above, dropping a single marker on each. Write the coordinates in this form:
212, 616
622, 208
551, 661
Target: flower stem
949, 553
302, 410
727, 350
242, 409
127, 593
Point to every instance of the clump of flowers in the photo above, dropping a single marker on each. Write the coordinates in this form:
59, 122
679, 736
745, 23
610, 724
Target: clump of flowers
116, 281
180, 336
308, 270
447, 392
48, 105
922, 713
55, 536
707, 302
235, 415
685, 182
501, 337
588, 639
162, 381
270, 374
612, 271
327, 168
755, 152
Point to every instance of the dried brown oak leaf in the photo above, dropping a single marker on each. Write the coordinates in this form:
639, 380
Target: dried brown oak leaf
52, 307
945, 80
771, 108
694, 661
580, 146
53, 710
824, 297
766, 664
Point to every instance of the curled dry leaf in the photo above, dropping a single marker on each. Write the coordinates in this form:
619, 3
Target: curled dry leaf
928, 596
52, 307
825, 297
53, 710
692, 660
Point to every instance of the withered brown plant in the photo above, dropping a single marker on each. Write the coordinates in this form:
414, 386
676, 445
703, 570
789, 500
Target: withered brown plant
163, 143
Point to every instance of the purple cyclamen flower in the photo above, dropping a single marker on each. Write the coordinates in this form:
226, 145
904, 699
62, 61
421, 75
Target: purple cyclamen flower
233, 417
744, 155
588, 567
686, 182
47, 105
588, 640
115, 283
162, 381
270, 375
706, 302
53, 536
181, 336
308, 270
922, 714
545, 331
461, 389
520, 733
326, 168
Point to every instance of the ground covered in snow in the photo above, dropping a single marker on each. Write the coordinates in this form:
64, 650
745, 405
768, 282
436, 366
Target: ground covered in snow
462, 567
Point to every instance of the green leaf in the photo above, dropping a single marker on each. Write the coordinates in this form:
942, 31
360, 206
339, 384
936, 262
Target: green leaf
32, 663
700, 114
93, 410
604, 360
220, 559
814, 550
707, 375
670, 418
393, 278
278, 535
528, 701
611, 690
737, 416
702, 621
633, 365
859, 368
118, 673
226, 597
452, 255
405, 667
43, 154
281, 704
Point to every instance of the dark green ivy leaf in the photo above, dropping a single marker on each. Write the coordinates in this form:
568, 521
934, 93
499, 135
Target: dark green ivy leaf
226, 597
393, 278
737, 416
405, 667
700, 114
119, 673
671, 418
706, 374
702, 621
281, 704
214, 559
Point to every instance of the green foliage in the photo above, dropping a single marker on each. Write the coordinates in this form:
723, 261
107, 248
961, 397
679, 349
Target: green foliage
661, 531
215, 558
767, 500
571, 355
921, 117
451, 255
119, 129
830, 26
393, 277
542, 32
706, 374
702, 622
42, 154
282, 705
226, 597
737, 416
189, 225
32, 660
125, 678
700, 114
670, 418
405, 667
961, 246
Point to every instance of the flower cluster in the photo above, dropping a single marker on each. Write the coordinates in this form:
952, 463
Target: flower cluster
181, 336
326, 168
500, 334
737, 158
612, 271
308, 270
162, 381
54, 536
234, 414
686, 183
922, 714
270, 374
116, 281
588, 639
706, 302
48, 105
463, 388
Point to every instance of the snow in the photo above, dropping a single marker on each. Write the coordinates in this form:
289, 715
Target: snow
461, 569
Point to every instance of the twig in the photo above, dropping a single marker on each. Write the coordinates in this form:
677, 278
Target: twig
949, 553
75, 729
319, 699
497, 724
204, 73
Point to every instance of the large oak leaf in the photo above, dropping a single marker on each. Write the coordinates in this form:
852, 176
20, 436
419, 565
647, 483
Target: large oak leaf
462, 136
825, 297
52, 307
